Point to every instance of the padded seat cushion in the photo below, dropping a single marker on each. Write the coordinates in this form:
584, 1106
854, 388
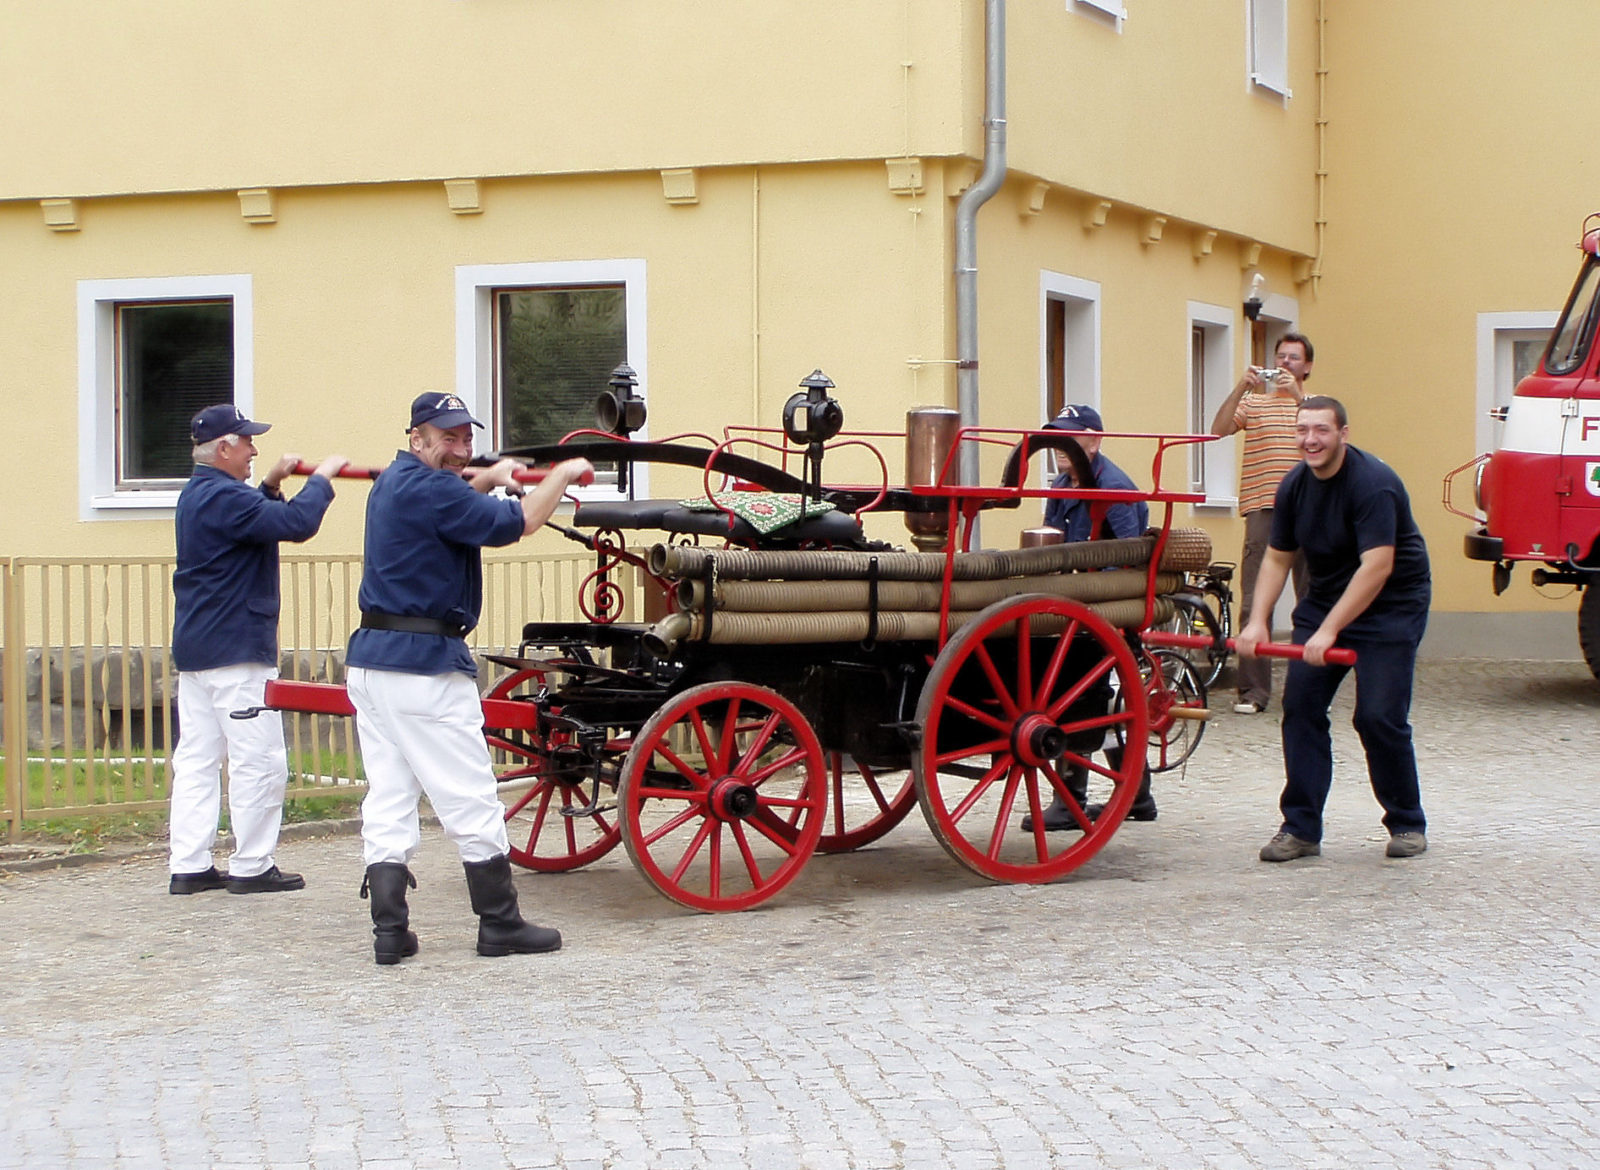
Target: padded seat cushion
621, 514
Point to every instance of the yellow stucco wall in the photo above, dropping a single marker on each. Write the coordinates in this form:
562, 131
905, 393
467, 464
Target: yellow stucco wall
1161, 115
774, 272
1459, 177
1455, 184
196, 95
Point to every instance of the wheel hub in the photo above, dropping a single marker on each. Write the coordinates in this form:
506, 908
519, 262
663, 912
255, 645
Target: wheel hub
733, 800
1037, 740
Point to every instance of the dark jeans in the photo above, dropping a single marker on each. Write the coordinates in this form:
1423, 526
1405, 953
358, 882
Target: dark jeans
1255, 674
1384, 672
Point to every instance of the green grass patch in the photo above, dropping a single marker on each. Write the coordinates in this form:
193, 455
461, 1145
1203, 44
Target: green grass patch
118, 783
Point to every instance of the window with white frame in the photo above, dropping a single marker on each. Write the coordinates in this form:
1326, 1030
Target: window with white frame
151, 354
1509, 348
1269, 46
536, 345
1213, 467
1069, 344
1108, 10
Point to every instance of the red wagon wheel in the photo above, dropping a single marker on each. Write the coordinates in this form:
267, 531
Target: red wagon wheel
1017, 695
1175, 696
722, 796
863, 803
546, 786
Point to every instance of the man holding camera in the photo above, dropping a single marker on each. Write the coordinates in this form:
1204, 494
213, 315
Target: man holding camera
1266, 415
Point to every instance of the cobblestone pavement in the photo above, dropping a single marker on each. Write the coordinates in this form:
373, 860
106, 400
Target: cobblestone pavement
1175, 1003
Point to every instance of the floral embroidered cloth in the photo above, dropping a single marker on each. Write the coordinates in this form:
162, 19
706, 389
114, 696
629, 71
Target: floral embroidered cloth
766, 512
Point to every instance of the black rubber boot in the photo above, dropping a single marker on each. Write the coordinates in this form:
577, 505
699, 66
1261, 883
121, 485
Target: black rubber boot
1144, 805
386, 881
1058, 816
501, 930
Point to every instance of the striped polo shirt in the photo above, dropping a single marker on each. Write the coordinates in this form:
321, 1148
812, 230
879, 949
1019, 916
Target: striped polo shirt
1267, 421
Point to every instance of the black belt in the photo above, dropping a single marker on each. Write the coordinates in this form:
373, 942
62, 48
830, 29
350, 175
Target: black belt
373, 620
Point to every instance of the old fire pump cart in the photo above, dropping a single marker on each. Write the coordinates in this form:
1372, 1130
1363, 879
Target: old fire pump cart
803, 685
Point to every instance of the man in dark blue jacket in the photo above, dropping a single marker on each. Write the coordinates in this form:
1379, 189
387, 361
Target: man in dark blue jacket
413, 680
1082, 520
1075, 518
225, 648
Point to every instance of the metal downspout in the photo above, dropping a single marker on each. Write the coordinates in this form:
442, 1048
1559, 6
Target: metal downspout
975, 196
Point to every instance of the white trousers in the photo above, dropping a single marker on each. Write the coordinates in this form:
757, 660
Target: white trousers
424, 733
258, 770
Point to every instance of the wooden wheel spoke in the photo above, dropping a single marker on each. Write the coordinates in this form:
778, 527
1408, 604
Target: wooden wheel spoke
741, 760
1024, 691
775, 828
1058, 783
751, 866
1008, 702
836, 790
707, 827
1076, 691
521, 802
674, 823
1058, 659
688, 771
767, 771
1008, 799
979, 788
992, 747
729, 748
707, 751
874, 789
979, 715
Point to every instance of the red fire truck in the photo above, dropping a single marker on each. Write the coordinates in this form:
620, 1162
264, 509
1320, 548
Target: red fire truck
1538, 496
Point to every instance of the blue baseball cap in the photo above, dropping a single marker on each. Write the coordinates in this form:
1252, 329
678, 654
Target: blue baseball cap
223, 419
442, 410
1077, 418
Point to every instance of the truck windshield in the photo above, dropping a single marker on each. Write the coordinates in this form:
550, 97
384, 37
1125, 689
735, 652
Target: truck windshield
1570, 342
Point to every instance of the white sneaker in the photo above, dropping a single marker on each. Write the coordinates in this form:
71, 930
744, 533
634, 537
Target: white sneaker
1248, 708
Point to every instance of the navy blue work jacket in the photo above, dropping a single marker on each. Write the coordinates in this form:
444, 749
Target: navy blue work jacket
1072, 516
226, 583
425, 528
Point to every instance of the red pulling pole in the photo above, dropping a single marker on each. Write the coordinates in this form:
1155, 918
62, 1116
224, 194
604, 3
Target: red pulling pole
1338, 656
528, 475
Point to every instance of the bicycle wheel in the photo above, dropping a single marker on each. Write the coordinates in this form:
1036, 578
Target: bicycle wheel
1194, 616
1176, 698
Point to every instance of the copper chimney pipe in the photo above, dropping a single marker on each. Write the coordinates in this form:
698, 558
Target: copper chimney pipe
930, 434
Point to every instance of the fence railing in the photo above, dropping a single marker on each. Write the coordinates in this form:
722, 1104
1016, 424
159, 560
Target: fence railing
87, 690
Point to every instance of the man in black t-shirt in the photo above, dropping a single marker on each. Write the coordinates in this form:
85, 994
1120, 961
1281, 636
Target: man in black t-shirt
1368, 590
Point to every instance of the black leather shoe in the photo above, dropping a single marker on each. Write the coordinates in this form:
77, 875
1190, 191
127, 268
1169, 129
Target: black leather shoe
1058, 818
1139, 812
197, 883
273, 881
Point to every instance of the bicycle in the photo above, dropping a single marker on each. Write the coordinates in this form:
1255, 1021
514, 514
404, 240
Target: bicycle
1205, 607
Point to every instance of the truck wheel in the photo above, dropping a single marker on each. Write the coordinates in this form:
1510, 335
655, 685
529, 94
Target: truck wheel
1589, 628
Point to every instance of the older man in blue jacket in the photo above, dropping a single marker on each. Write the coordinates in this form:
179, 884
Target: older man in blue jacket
225, 648
1077, 520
